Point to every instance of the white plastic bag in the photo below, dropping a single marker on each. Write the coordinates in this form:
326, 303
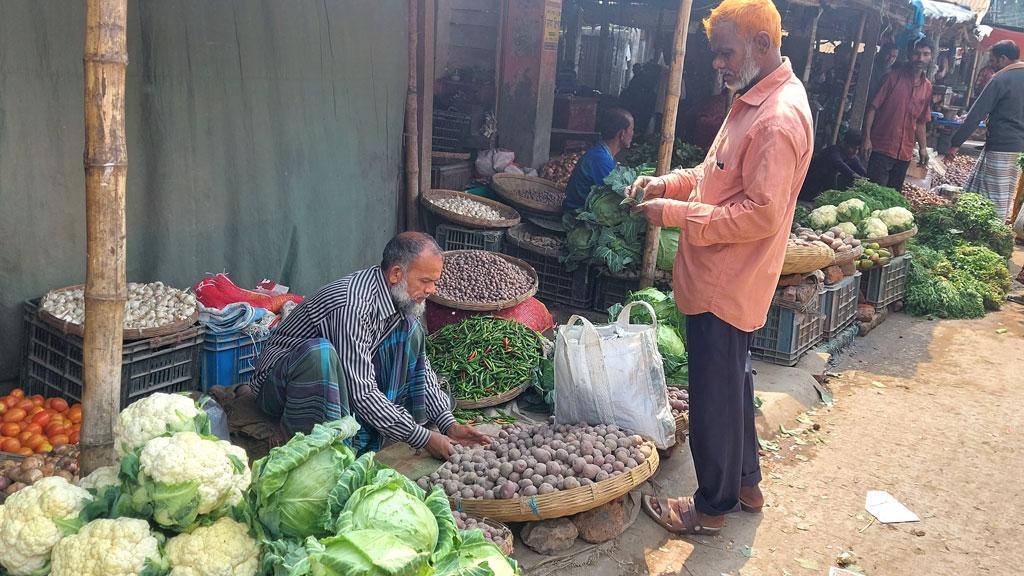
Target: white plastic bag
613, 374
494, 161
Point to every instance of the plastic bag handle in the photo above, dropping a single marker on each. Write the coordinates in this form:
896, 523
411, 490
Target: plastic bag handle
623, 319
589, 334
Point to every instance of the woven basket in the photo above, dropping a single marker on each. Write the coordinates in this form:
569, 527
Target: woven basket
517, 235
893, 239
129, 333
682, 427
509, 215
844, 258
563, 502
546, 223
491, 306
803, 259
514, 188
508, 542
491, 400
449, 156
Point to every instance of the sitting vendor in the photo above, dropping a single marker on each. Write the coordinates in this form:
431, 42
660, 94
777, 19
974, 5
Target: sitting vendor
835, 167
358, 347
616, 128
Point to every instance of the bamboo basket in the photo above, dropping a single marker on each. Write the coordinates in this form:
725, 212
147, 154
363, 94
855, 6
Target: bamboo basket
491, 400
546, 223
893, 239
803, 259
514, 188
682, 427
129, 333
510, 217
517, 235
849, 256
508, 542
491, 306
563, 502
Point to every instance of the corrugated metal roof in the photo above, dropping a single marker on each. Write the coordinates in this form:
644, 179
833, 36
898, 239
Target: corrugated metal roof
934, 9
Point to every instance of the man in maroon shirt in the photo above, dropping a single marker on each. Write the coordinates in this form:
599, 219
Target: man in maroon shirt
897, 117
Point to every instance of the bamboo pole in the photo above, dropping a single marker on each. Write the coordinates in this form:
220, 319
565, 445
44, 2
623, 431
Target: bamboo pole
849, 77
425, 57
412, 148
812, 47
668, 130
106, 168
974, 75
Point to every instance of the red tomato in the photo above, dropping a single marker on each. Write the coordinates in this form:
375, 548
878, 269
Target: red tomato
75, 413
54, 428
35, 441
10, 445
10, 429
11, 401
58, 404
18, 393
25, 435
33, 428
59, 439
14, 415
43, 448
42, 418
73, 437
25, 451
38, 399
26, 404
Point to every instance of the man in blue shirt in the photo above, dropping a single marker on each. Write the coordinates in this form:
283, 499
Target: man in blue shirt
616, 128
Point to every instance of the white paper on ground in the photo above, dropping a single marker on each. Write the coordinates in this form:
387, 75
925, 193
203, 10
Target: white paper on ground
887, 509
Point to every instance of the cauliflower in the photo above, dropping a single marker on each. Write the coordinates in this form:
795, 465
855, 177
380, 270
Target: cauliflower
100, 478
848, 228
852, 210
184, 475
873, 228
157, 415
123, 546
223, 548
34, 519
823, 217
897, 219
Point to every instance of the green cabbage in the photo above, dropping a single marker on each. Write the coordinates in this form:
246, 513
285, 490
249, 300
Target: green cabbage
366, 552
823, 217
852, 210
603, 208
475, 556
394, 504
668, 246
291, 486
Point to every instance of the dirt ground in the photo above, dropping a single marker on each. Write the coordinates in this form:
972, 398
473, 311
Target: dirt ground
929, 411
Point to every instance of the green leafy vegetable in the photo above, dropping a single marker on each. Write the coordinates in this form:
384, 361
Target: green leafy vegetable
395, 505
475, 556
876, 197
668, 246
366, 552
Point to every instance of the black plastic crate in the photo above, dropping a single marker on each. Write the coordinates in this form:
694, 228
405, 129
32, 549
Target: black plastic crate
839, 306
454, 238
788, 334
555, 283
884, 285
451, 176
450, 131
611, 290
52, 363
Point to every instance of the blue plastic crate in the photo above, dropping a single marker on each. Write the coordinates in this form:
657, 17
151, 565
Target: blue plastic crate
230, 359
787, 335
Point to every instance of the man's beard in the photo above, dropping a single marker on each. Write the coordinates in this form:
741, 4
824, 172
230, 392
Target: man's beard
405, 304
747, 73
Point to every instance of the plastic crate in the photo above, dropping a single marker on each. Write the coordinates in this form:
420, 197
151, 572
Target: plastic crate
450, 131
454, 238
839, 305
453, 176
610, 290
52, 363
555, 283
229, 359
787, 335
884, 285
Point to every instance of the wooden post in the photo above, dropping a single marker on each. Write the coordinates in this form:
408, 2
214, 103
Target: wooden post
425, 99
812, 47
860, 98
412, 149
849, 77
106, 169
974, 75
668, 130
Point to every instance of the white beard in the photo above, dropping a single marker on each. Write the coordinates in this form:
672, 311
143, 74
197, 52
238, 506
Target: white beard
747, 73
406, 305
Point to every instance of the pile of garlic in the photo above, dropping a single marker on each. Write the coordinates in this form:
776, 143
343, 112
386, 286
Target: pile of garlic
149, 305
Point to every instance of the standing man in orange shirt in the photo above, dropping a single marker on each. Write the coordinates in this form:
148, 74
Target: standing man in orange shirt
735, 212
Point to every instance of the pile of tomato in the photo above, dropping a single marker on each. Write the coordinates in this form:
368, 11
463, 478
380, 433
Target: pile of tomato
36, 425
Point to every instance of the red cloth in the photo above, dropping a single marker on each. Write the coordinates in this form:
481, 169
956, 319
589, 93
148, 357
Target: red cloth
532, 313
901, 102
218, 291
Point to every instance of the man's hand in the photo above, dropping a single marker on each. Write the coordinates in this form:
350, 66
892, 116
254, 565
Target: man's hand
866, 147
653, 210
467, 435
923, 157
652, 186
439, 446
951, 154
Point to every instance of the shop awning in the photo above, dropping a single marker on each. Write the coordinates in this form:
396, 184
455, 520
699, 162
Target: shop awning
936, 10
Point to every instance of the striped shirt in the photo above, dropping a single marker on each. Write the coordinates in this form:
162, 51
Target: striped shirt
356, 313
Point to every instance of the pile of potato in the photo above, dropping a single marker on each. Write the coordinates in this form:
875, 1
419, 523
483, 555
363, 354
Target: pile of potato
17, 474
834, 239
496, 535
541, 459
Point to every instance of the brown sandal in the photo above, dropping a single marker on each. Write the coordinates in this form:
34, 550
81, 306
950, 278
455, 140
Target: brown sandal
670, 520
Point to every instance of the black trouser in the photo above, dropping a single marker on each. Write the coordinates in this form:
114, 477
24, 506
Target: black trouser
723, 440
887, 171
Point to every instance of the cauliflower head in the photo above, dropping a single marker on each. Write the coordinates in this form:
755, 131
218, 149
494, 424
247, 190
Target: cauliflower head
118, 547
185, 475
100, 479
157, 415
848, 228
823, 217
897, 219
873, 228
31, 523
223, 548
852, 210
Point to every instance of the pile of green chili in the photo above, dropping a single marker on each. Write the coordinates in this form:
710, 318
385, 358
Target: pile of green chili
483, 356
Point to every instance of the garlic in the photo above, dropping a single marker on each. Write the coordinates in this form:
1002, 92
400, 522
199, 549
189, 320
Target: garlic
148, 305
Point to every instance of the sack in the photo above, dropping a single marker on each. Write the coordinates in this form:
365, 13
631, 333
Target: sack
612, 374
531, 313
494, 161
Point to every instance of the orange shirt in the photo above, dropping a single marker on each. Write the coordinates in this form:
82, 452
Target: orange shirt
736, 209
903, 101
